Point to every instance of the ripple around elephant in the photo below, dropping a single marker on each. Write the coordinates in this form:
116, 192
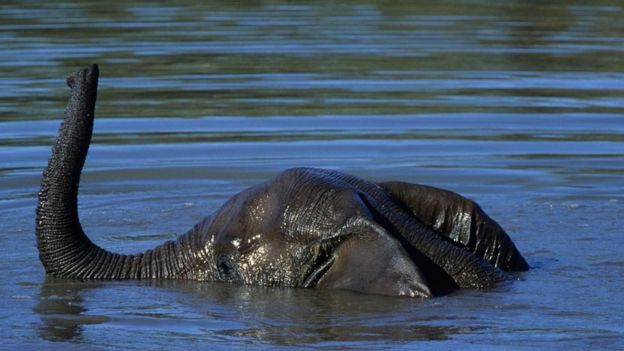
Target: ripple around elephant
303, 228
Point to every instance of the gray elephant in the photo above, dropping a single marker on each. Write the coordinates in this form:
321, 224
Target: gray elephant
304, 228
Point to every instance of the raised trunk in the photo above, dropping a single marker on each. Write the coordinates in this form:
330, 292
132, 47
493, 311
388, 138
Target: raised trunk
64, 249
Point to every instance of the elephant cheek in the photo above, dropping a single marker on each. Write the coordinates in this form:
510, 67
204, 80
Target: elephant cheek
375, 263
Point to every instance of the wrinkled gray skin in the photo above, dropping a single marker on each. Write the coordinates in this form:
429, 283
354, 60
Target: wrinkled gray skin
304, 228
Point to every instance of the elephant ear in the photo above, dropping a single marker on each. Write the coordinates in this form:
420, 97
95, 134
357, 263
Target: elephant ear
459, 220
385, 269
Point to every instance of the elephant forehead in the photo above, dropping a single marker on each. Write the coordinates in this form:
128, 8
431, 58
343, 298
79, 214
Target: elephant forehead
250, 216
287, 216
321, 213
276, 264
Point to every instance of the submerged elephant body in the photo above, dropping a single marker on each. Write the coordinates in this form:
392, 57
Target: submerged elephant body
304, 228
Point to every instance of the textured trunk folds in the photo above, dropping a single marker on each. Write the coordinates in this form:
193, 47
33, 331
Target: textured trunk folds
64, 249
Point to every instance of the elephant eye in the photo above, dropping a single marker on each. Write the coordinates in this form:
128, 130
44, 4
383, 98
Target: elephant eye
224, 265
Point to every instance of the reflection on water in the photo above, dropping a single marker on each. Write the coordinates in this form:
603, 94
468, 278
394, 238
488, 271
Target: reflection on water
248, 314
516, 104
61, 309
296, 317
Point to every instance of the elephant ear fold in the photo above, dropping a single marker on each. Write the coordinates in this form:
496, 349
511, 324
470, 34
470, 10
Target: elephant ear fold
371, 261
460, 221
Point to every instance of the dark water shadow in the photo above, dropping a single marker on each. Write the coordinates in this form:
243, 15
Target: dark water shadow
241, 315
62, 311
310, 317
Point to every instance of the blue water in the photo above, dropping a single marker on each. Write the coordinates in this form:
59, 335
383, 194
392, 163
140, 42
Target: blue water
518, 105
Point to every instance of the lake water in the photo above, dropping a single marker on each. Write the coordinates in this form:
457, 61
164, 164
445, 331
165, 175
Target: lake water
518, 104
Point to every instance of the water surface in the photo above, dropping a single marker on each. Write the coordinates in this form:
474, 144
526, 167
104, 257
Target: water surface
518, 105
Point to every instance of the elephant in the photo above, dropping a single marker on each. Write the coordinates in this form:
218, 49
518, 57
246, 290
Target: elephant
304, 228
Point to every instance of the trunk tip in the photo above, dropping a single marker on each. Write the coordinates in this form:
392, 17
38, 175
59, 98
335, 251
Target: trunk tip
88, 74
